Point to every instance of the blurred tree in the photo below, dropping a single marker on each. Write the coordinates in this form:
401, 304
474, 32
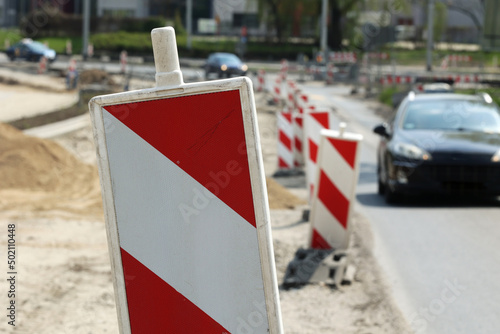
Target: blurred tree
440, 20
286, 16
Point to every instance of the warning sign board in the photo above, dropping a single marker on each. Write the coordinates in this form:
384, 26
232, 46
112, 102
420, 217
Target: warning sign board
186, 205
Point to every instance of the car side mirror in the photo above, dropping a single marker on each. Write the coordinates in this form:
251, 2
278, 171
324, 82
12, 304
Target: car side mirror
381, 130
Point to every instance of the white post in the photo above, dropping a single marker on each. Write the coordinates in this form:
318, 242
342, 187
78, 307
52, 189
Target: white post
168, 70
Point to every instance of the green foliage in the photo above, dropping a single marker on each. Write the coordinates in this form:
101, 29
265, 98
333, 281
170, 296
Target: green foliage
59, 44
12, 35
133, 42
179, 28
385, 95
494, 93
440, 18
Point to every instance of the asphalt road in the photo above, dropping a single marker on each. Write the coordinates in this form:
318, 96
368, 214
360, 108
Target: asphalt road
441, 256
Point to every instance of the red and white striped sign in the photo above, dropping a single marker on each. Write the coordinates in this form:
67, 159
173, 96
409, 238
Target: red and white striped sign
314, 122
298, 140
331, 206
285, 140
186, 205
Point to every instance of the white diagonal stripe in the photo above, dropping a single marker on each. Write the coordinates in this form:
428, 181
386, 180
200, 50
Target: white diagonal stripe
327, 225
337, 169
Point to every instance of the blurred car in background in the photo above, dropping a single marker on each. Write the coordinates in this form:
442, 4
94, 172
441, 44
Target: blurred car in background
30, 51
224, 65
440, 143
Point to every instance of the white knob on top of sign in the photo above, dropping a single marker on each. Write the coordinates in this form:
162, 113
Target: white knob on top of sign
342, 127
168, 70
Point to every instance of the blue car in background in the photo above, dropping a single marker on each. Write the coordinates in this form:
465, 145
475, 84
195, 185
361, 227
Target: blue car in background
30, 51
224, 65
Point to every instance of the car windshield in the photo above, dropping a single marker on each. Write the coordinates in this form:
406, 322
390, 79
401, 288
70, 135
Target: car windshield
37, 46
228, 59
454, 115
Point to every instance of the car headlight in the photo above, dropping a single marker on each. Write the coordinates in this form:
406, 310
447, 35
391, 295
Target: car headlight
410, 151
496, 157
223, 67
244, 67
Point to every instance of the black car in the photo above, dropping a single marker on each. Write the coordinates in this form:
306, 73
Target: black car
31, 51
440, 143
224, 65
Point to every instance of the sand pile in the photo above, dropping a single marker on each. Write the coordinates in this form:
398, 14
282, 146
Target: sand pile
40, 175
280, 197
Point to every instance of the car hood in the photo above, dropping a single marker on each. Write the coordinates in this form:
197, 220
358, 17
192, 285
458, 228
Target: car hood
453, 141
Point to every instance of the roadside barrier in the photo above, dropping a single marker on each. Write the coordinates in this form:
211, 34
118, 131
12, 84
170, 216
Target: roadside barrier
276, 92
291, 90
72, 74
42, 65
284, 69
90, 50
123, 61
329, 73
298, 140
454, 60
69, 47
342, 57
261, 80
314, 122
331, 205
285, 140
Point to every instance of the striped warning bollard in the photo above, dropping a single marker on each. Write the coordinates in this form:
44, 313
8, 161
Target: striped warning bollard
298, 140
284, 69
302, 102
329, 74
331, 205
285, 140
123, 61
277, 90
314, 122
42, 65
69, 47
261, 80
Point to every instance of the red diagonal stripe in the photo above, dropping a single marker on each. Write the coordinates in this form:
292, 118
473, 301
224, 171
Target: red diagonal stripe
282, 163
287, 116
347, 149
313, 151
156, 307
298, 144
285, 140
321, 118
333, 199
318, 242
203, 134
298, 120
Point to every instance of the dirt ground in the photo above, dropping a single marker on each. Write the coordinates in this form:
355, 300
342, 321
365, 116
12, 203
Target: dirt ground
50, 191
